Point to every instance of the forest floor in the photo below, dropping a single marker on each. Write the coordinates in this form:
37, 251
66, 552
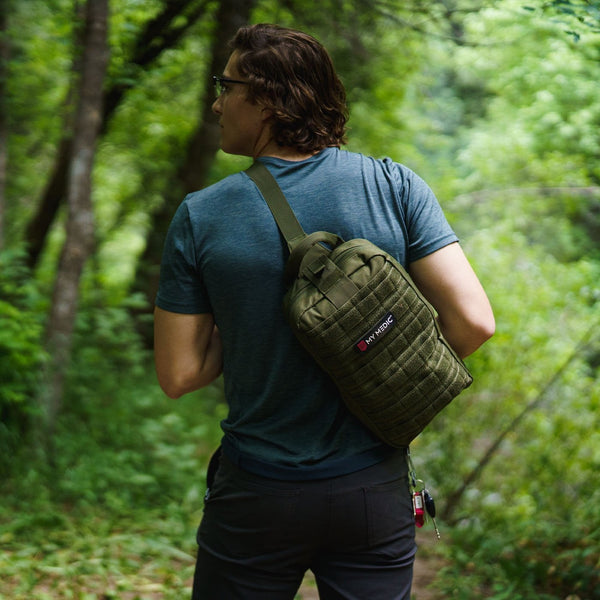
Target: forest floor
47, 554
69, 574
427, 565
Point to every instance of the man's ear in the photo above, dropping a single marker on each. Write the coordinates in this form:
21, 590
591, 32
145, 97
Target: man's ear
266, 113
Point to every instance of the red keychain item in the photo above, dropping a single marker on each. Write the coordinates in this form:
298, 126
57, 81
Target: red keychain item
422, 500
418, 509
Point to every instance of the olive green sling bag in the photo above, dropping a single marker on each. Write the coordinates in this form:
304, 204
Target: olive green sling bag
355, 309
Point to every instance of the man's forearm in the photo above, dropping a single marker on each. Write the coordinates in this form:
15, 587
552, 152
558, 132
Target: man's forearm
188, 351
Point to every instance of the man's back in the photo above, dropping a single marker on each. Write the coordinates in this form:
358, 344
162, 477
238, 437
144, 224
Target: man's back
283, 409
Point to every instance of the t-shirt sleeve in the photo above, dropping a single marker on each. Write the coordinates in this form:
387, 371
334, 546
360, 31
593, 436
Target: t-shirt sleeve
427, 226
180, 288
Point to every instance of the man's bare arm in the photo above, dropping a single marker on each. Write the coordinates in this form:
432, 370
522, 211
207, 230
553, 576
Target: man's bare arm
447, 280
188, 353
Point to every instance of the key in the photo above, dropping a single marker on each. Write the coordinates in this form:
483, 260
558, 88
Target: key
430, 508
429, 504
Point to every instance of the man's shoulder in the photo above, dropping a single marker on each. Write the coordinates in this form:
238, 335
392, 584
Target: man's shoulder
231, 184
382, 163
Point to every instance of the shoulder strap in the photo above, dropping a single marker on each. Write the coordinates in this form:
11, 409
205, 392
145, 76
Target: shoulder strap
282, 212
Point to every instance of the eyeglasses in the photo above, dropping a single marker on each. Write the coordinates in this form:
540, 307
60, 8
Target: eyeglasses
221, 83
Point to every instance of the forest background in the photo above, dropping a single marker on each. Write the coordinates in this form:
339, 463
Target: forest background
105, 124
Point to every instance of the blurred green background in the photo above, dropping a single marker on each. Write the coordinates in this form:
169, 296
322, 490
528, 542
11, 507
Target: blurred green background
496, 104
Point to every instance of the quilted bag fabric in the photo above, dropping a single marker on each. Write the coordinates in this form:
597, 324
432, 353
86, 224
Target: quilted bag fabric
356, 310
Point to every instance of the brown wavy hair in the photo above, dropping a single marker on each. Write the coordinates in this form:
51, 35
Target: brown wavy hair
291, 74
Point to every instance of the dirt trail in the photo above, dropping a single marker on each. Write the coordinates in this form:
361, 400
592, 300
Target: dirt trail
427, 567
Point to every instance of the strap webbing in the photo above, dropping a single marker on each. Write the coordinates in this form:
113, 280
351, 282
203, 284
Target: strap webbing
330, 280
282, 212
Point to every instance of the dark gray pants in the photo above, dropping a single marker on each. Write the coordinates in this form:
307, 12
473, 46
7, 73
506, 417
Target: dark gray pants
259, 536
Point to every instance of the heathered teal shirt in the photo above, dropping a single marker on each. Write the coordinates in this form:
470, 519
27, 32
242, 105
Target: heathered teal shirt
224, 255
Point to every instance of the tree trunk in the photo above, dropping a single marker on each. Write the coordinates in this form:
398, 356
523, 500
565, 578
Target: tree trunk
203, 146
80, 221
158, 35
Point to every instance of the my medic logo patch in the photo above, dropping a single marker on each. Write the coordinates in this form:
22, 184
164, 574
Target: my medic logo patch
369, 339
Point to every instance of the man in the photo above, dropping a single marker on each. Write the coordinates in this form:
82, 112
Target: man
301, 483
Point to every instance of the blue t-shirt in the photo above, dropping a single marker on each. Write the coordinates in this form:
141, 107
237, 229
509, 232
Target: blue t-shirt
224, 255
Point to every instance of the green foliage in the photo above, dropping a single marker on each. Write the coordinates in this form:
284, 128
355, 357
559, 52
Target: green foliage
122, 442
517, 182
21, 353
503, 125
525, 527
39, 37
577, 16
115, 513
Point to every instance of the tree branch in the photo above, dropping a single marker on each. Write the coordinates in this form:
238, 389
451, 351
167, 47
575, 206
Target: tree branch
157, 37
454, 497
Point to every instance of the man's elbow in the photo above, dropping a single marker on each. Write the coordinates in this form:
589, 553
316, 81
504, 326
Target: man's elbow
486, 327
479, 332
178, 382
171, 389
174, 385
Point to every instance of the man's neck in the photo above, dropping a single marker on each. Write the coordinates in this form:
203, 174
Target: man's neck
284, 152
